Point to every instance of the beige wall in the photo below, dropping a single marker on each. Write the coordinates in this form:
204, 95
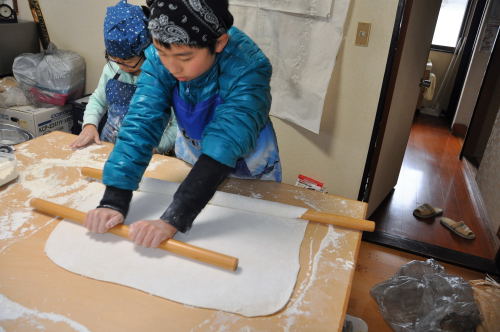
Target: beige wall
488, 177
337, 155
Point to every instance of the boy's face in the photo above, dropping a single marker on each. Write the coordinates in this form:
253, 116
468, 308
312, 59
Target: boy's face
187, 63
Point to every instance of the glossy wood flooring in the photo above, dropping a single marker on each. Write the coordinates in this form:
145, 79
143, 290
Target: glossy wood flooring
433, 173
376, 264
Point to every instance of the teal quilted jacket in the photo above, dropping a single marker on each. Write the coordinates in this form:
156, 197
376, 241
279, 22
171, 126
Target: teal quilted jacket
241, 75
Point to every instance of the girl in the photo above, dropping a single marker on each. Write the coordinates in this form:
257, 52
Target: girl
126, 37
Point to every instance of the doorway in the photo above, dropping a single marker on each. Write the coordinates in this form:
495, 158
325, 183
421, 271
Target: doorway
408, 54
429, 173
433, 173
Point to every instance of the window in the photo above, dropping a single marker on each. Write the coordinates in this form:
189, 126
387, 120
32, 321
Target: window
449, 24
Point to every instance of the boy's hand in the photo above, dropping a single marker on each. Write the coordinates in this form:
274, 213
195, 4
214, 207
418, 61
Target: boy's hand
150, 233
100, 220
88, 136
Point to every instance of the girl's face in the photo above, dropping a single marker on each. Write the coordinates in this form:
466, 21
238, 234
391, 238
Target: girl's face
186, 63
131, 65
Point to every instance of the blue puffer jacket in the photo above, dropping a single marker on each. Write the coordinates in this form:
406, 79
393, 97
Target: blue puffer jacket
241, 75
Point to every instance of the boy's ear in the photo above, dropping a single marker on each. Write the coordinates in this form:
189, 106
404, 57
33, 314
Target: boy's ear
221, 43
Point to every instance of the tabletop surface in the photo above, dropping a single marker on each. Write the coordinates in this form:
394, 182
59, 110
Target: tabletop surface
43, 296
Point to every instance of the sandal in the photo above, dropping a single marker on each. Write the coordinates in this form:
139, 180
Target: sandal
458, 227
426, 211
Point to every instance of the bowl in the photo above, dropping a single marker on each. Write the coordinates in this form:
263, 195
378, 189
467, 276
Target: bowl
11, 134
8, 168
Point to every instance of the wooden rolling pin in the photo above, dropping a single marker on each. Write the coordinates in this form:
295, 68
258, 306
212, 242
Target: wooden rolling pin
311, 215
177, 247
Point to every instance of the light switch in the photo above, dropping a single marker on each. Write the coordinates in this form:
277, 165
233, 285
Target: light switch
363, 34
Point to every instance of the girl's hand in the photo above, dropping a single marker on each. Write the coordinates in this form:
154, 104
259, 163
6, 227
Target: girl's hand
88, 136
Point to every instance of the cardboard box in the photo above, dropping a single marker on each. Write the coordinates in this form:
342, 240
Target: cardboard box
39, 121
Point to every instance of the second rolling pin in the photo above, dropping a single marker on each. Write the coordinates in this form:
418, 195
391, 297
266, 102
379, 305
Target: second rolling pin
311, 215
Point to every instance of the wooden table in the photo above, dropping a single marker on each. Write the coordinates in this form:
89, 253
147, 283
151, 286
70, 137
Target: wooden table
76, 303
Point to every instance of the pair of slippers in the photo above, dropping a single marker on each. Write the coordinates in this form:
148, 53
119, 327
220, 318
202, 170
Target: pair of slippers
427, 211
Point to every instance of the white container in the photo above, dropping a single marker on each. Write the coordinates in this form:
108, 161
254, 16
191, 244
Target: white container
8, 168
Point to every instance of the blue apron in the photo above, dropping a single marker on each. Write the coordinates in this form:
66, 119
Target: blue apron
118, 96
261, 163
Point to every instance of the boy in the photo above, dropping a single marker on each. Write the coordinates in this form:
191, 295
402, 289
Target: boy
217, 81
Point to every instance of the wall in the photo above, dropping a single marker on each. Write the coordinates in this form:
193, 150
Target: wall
475, 73
488, 177
487, 122
337, 155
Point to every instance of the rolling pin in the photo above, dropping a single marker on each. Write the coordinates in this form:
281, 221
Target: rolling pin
311, 215
177, 247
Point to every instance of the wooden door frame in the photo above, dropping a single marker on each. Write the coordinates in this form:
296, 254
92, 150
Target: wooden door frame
385, 100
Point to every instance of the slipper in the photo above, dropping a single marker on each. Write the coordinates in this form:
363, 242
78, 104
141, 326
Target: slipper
426, 211
458, 227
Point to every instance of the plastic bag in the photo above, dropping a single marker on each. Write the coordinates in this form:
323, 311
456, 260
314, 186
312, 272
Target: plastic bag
51, 77
421, 297
11, 94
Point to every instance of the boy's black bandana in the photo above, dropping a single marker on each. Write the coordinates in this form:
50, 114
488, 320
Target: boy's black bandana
189, 22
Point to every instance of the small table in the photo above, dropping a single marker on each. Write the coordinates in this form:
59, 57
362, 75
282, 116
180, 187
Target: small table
30, 279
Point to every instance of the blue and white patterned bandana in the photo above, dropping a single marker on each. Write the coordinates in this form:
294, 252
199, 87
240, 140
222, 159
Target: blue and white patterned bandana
125, 30
189, 22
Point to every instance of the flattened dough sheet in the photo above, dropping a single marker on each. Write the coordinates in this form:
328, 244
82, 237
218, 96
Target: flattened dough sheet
267, 247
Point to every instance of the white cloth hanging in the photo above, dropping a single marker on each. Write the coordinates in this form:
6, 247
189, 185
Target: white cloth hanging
320, 8
302, 42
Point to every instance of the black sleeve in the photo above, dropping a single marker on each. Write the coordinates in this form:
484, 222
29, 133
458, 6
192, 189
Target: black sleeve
195, 192
116, 199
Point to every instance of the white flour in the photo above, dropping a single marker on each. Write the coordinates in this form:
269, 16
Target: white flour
41, 178
299, 305
10, 310
8, 170
14, 224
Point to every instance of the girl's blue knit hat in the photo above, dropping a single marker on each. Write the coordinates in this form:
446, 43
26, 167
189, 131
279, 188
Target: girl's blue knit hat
125, 30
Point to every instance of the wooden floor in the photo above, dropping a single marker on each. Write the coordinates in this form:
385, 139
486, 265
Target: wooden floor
433, 173
377, 264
